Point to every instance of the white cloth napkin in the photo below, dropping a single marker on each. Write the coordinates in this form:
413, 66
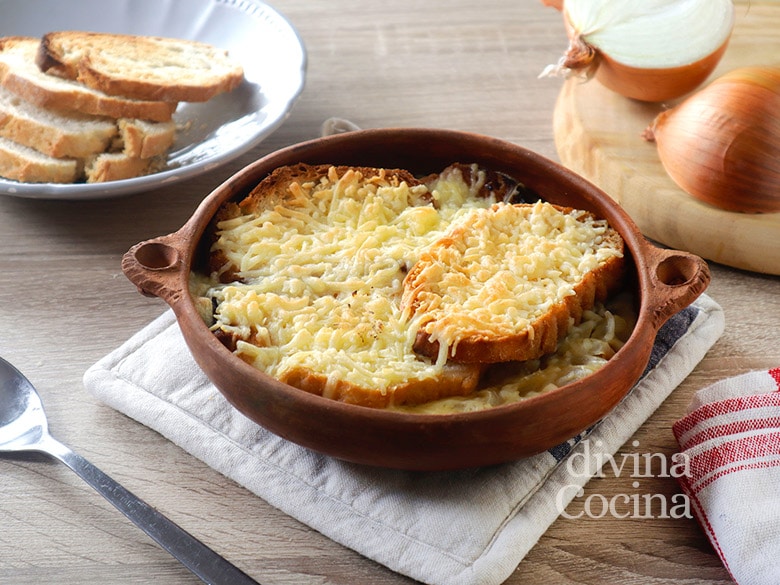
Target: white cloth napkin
462, 527
730, 438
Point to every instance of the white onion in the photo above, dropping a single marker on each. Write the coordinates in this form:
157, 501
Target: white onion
651, 50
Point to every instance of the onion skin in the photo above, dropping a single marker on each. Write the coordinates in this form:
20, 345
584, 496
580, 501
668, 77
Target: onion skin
722, 144
656, 85
557, 4
639, 83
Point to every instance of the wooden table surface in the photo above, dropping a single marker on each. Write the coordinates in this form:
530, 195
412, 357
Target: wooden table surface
65, 303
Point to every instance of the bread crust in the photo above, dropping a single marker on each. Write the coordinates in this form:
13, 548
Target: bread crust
141, 67
143, 139
23, 164
527, 342
20, 74
51, 133
115, 166
455, 380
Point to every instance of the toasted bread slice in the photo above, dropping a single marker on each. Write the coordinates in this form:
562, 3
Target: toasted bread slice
281, 187
115, 166
24, 164
20, 75
144, 139
454, 380
142, 67
504, 283
54, 133
27, 165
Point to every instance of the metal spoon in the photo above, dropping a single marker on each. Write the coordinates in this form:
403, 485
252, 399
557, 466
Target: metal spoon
23, 427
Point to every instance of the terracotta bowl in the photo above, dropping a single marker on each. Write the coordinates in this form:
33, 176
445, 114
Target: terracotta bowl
665, 281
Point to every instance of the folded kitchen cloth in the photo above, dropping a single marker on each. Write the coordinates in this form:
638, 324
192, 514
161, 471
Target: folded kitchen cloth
730, 439
471, 526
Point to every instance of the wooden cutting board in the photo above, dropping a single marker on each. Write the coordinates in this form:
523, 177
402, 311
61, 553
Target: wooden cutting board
598, 135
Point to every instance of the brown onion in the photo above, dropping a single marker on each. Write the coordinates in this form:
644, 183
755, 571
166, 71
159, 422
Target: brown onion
722, 144
557, 4
650, 50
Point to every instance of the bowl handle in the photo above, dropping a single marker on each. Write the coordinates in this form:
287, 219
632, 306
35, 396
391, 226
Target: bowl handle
677, 279
158, 267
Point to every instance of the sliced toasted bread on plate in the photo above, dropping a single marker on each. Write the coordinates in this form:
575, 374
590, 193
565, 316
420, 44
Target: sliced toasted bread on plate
55, 133
72, 133
144, 139
20, 74
143, 67
115, 166
27, 165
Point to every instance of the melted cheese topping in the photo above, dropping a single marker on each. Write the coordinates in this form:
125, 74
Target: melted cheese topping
586, 348
320, 281
498, 270
319, 284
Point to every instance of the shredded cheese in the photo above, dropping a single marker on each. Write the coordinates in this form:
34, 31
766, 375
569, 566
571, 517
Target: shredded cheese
319, 285
319, 281
497, 270
585, 350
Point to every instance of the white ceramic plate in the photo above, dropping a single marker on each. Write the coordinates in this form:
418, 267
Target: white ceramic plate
215, 132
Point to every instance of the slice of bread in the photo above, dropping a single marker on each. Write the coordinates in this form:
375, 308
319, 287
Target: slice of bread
143, 67
115, 166
20, 74
24, 164
64, 147
27, 165
51, 132
144, 139
282, 186
454, 380
505, 283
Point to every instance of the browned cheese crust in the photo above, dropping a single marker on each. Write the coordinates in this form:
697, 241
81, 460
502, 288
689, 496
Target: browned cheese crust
527, 343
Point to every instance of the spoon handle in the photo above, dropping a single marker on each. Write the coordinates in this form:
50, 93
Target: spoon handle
197, 557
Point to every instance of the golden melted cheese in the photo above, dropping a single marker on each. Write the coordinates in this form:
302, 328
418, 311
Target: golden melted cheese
320, 285
320, 282
497, 270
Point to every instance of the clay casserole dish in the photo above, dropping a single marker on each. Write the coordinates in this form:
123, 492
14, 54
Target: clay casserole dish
664, 281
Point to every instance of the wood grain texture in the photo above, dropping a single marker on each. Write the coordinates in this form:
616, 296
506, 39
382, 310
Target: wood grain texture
598, 134
64, 304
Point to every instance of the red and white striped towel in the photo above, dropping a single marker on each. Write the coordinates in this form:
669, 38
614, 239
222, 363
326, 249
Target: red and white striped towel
730, 438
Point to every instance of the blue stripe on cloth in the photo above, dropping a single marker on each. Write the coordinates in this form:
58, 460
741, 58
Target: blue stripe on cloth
669, 334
